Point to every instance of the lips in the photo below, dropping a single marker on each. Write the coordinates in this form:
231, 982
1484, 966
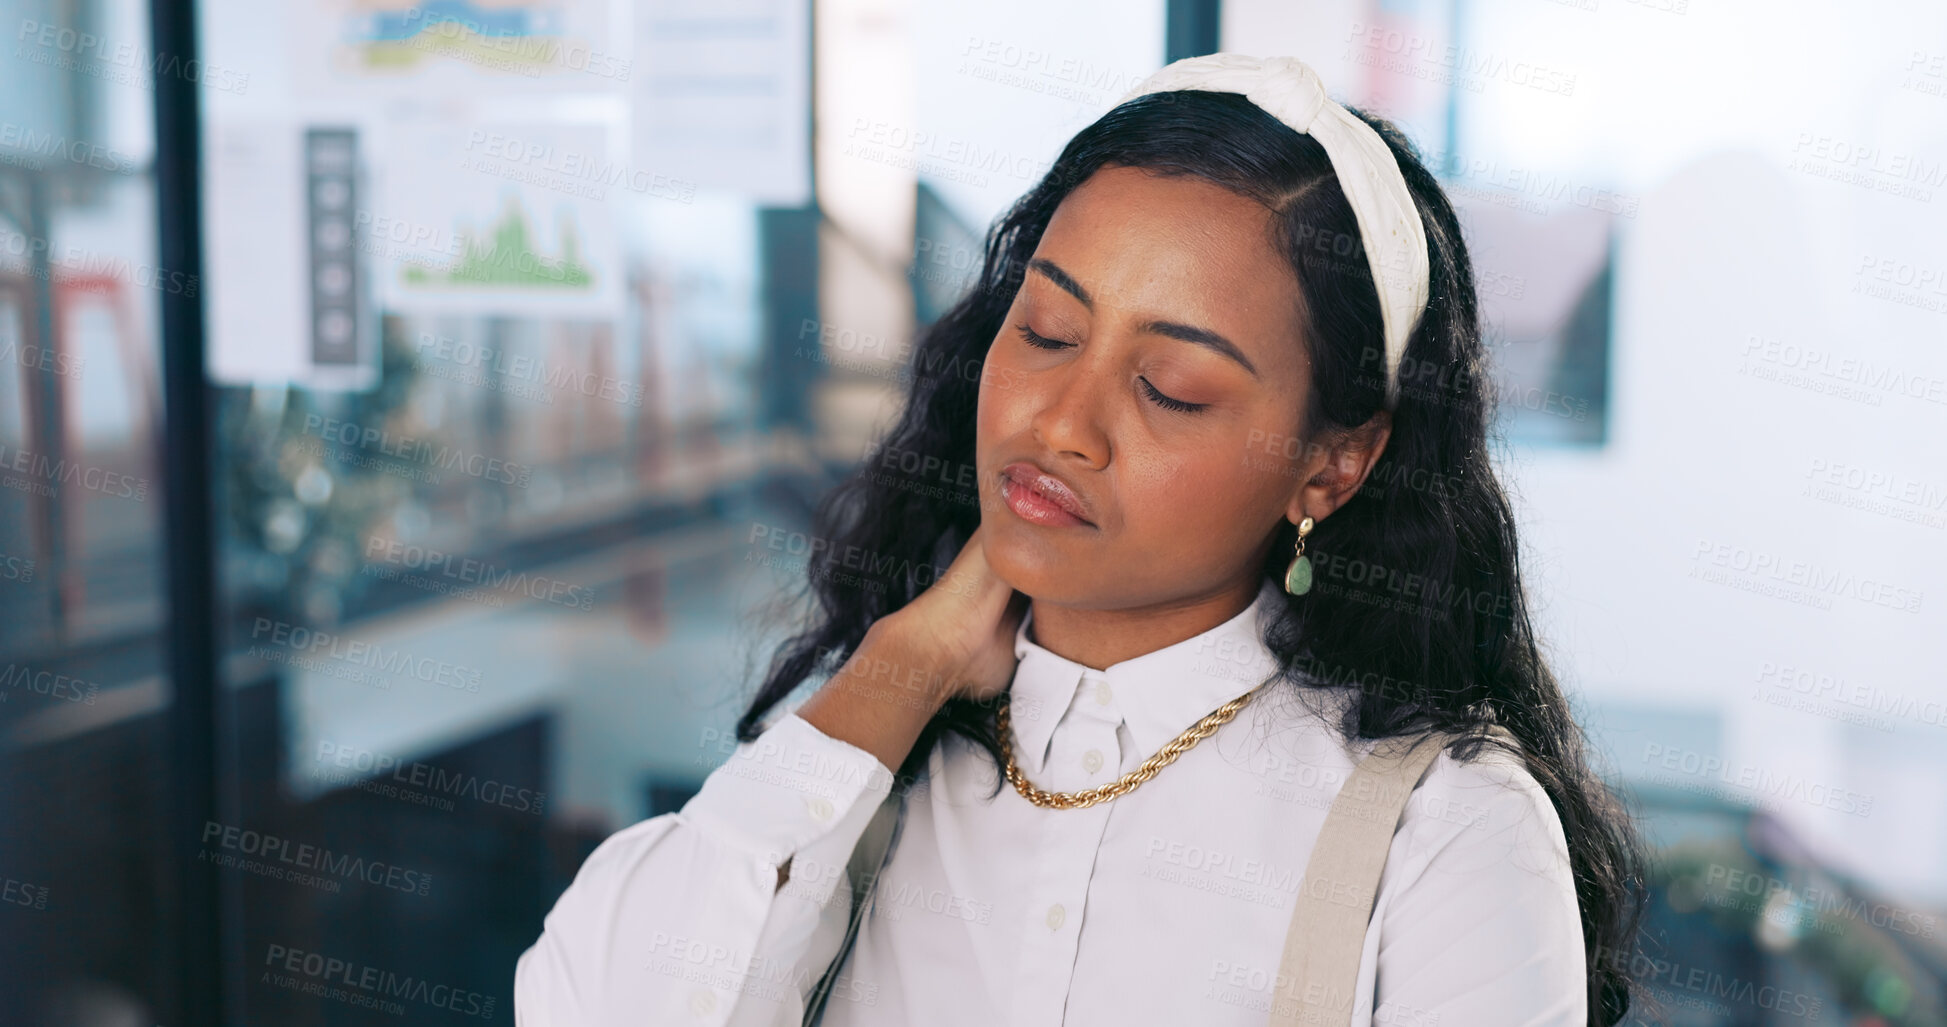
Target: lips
1047, 488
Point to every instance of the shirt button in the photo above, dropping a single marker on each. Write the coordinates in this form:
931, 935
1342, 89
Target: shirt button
1092, 760
702, 1002
1102, 693
819, 807
1056, 915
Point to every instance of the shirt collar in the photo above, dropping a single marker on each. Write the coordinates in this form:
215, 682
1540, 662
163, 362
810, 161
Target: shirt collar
1159, 694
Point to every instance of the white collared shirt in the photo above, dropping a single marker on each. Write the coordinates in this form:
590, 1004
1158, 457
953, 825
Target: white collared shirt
1169, 904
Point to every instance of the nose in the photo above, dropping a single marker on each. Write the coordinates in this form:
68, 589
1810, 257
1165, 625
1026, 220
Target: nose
1070, 420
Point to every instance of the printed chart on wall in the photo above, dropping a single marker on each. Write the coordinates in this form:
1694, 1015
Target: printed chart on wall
497, 218
431, 48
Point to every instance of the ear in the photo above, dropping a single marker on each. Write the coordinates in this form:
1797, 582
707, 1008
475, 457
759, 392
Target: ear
1335, 470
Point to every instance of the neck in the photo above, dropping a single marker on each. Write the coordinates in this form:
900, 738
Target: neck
1099, 639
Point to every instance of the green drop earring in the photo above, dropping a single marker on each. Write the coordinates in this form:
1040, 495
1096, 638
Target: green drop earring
1298, 576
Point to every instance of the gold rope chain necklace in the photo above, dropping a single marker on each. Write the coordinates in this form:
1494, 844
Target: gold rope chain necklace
1197, 732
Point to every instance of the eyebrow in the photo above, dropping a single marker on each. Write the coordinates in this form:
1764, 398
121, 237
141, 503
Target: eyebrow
1170, 329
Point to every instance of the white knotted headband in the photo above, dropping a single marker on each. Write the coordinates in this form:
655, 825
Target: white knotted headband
1389, 224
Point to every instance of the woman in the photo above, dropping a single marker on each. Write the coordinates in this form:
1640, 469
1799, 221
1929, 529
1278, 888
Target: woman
1202, 332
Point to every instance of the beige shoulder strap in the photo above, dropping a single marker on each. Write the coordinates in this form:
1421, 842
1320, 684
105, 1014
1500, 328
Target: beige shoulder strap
1320, 970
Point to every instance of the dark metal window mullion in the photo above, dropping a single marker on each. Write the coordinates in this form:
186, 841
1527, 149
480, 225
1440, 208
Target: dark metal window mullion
186, 455
1190, 28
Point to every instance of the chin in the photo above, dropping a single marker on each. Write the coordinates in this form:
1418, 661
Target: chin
1039, 570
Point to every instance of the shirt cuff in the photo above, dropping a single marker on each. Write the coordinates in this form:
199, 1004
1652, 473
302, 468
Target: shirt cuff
788, 787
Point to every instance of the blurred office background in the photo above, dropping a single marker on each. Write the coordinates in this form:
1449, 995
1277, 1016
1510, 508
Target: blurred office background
533, 328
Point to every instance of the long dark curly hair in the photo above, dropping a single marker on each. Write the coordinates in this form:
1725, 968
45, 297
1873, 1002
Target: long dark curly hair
1461, 655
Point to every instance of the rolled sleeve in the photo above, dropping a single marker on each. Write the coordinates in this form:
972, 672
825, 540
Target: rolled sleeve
679, 919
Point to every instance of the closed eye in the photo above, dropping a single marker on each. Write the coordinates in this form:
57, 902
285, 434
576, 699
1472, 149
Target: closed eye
1036, 339
1166, 402
1039, 341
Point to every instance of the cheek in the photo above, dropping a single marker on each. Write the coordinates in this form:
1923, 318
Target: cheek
1197, 494
1004, 403
988, 405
